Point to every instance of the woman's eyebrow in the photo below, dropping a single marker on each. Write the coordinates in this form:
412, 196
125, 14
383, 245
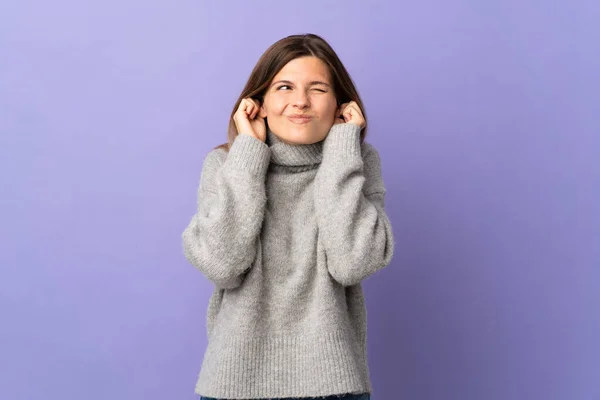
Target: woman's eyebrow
310, 83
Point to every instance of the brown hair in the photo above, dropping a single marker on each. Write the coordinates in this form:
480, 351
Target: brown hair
284, 51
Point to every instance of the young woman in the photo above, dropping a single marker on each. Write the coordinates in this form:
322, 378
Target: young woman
290, 221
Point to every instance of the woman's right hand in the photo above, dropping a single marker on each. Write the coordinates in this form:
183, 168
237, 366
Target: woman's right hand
248, 121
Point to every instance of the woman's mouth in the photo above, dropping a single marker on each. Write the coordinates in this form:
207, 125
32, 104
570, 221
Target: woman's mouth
299, 119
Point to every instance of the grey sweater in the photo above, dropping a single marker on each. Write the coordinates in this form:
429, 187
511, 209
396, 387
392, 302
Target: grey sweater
287, 233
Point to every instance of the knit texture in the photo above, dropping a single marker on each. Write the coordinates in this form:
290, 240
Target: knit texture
287, 233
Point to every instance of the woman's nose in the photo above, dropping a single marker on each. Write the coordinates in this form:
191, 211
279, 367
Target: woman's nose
301, 99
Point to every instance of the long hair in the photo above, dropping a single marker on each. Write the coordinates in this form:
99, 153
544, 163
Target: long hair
284, 51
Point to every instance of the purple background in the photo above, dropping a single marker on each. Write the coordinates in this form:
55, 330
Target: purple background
486, 116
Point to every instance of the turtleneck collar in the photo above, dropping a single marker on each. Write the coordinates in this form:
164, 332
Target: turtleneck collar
290, 155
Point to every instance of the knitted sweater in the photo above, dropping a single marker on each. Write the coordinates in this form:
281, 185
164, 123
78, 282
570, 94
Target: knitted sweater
286, 233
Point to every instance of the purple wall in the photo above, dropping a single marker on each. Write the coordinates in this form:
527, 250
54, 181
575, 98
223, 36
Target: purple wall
486, 115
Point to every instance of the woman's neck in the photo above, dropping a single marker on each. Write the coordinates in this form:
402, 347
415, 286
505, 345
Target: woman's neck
293, 155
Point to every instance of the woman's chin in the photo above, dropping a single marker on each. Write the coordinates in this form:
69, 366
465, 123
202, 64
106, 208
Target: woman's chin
302, 135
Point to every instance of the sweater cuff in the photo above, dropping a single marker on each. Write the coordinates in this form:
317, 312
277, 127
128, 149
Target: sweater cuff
342, 142
249, 154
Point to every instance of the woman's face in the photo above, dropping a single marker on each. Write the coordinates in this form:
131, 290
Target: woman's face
303, 87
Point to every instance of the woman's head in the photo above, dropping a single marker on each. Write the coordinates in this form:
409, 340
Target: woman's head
299, 75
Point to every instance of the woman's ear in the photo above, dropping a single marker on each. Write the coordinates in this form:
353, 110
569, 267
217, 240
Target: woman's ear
262, 112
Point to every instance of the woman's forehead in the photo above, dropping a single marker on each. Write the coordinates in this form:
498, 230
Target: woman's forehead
304, 69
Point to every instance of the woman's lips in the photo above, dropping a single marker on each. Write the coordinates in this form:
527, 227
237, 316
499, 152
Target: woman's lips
299, 119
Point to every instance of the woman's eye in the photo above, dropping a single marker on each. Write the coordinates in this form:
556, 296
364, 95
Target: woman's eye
289, 87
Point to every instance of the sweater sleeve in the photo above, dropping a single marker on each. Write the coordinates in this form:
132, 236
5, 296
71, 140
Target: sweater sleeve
220, 239
349, 204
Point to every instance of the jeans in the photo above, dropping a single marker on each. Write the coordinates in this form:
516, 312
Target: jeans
364, 396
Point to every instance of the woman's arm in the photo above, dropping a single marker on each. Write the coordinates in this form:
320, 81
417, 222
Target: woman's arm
349, 202
221, 238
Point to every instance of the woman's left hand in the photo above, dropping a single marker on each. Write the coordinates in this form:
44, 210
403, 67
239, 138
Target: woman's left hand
350, 113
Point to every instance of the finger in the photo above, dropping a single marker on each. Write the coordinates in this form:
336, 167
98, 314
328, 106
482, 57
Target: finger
348, 112
354, 105
242, 106
255, 107
245, 107
255, 110
354, 112
249, 110
358, 109
341, 108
